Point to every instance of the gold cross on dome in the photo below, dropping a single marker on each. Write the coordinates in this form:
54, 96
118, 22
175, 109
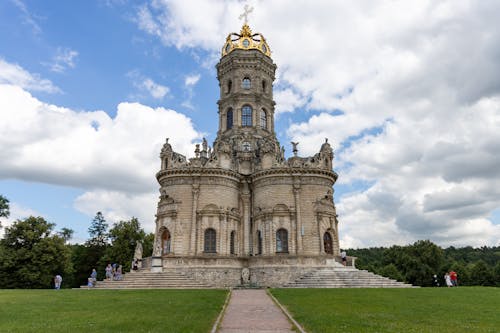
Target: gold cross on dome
247, 10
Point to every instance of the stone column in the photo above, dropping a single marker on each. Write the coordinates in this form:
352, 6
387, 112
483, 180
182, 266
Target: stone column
192, 231
298, 220
245, 197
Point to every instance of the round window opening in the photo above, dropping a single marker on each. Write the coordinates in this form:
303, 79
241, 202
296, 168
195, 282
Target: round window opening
246, 43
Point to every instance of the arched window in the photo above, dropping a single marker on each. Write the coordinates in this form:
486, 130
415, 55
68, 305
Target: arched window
229, 119
246, 115
327, 243
229, 86
246, 83
282, 241
166, 241
231, 242
259, 242
263, 119
210, 241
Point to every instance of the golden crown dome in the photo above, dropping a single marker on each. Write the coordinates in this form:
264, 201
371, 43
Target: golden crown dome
245, 40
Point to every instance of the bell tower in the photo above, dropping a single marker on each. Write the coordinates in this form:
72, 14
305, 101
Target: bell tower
246, 74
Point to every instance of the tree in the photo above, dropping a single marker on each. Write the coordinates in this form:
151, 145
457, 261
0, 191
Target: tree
4, 207
392, 272
30, 256
482, 274
124, 237
66, 234
98, 231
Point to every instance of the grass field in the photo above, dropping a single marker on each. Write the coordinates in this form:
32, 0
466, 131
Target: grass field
463, 309
109, 311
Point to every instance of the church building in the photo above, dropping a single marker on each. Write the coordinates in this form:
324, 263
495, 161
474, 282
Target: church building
239, 211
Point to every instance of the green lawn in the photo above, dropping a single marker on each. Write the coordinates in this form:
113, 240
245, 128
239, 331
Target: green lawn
109, 311
463, 309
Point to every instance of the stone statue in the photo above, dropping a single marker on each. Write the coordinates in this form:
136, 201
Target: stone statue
245, 276
138, 251
295, 150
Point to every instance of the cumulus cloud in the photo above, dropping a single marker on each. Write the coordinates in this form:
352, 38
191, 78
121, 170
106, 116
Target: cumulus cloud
409, 94
16, 75
113, 159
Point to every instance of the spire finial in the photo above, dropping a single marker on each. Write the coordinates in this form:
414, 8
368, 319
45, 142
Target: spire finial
247, 10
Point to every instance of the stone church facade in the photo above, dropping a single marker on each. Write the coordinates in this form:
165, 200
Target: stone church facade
239, 211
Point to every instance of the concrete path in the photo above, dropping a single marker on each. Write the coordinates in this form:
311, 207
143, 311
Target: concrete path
253, 311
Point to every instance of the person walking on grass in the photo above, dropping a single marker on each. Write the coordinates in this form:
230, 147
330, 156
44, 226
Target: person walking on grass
454, 278
447, 279
57, 282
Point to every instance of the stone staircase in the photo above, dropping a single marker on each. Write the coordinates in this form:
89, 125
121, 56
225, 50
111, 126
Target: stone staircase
148, 280
344, 277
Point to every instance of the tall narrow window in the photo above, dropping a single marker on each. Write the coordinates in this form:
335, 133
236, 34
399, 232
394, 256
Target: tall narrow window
246, 115
282, 241
229, 119
264, 87
229, 86
259, 242
263, 119
246, 83
231, 242
210, 241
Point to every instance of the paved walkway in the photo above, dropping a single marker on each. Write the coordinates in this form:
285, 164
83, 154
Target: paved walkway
251, 311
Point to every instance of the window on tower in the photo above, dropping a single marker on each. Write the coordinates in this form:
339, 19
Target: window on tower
246, 115
263, 119
210, 241
229, 86
282, 241
229, 119
246, 83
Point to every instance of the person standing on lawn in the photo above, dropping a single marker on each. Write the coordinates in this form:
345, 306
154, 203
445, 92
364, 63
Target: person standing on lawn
109, 272
454, 278
57, 282
447, 279
93, 276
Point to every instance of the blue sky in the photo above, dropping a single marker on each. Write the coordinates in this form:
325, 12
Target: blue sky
89, 90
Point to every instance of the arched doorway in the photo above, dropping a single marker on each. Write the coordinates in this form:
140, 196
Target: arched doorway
328, 243
166, 241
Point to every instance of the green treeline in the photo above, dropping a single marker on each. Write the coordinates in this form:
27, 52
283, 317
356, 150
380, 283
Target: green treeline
32, 253
417, 263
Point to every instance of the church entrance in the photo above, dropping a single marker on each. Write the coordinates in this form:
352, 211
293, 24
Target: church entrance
327, 243
165, 242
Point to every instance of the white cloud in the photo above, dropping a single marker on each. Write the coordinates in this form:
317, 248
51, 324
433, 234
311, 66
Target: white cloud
64, 59
192, 80
27, 17
17, 212
156, 90
16, 75
418, 88
146, 84
120, 206
46, 143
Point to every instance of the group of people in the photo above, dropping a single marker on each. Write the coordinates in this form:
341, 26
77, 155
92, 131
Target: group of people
114, 272
451, 279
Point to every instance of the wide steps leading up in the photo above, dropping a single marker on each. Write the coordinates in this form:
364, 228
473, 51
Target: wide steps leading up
148, 280
344, 277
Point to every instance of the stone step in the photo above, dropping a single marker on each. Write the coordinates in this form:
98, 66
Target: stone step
344, 278
148, 280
